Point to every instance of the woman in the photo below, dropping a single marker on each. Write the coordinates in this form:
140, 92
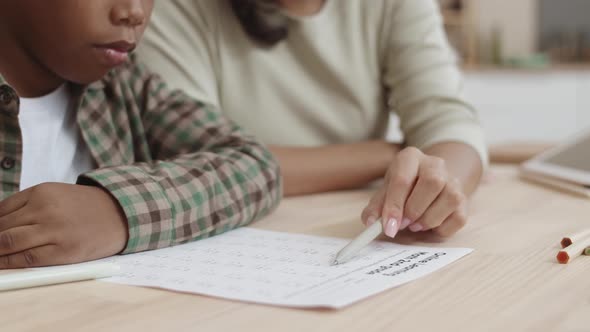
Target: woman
317, 79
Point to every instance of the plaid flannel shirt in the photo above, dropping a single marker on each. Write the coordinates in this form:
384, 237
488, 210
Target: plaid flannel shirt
179, 170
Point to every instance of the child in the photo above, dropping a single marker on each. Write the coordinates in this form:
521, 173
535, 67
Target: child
157, 168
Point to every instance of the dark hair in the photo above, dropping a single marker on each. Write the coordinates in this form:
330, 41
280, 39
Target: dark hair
262, 20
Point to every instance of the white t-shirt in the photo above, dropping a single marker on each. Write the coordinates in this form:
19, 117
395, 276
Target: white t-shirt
53, 149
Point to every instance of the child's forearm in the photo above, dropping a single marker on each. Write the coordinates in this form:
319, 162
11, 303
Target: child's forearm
333, 167
193, 196
203, 175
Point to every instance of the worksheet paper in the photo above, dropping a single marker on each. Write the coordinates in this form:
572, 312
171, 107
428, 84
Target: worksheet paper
280, 268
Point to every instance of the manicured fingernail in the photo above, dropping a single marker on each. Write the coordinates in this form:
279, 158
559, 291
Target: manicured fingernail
371, 220
405, 223
391, 227
416, 227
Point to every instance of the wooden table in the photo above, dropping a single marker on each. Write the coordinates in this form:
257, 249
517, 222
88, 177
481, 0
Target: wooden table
510, 283
517, 152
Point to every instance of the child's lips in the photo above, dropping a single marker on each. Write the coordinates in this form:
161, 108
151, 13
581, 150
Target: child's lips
114, 54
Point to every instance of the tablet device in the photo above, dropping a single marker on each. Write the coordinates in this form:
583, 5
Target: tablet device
568, 163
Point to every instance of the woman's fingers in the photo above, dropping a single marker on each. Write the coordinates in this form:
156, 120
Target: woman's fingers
432, 179
449, 201
373, 210
400, 181
453, 223
418, 193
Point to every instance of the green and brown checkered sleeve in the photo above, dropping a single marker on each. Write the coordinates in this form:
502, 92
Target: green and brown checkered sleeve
205, 175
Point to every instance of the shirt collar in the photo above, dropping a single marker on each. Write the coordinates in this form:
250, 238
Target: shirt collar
2, 81
97, 85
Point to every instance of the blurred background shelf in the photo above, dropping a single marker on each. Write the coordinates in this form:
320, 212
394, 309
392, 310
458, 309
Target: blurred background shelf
460, 23
529, 86
524, 33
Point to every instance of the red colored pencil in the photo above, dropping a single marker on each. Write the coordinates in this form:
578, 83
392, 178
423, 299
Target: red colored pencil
573, 238
567, 254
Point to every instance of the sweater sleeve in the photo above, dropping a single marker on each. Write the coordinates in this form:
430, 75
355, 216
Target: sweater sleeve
424, 82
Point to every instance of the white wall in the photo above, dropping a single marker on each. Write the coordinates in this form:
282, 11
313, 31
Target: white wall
547, 106
583, 115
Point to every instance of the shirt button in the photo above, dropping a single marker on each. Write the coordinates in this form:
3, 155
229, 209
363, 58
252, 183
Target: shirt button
8, 99
7, 163
7, 94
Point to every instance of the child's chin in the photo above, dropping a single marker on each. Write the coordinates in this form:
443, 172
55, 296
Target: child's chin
90, 77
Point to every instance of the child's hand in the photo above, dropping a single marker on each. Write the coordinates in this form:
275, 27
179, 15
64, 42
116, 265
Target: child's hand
54, 224
419, 193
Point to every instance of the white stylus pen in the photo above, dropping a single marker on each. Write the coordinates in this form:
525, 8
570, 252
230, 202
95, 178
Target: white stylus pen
361, 241
56, 275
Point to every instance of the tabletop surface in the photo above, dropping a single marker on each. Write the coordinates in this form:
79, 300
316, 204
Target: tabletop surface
511, 282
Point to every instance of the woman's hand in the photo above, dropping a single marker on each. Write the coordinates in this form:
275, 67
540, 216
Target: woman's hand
419, 193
